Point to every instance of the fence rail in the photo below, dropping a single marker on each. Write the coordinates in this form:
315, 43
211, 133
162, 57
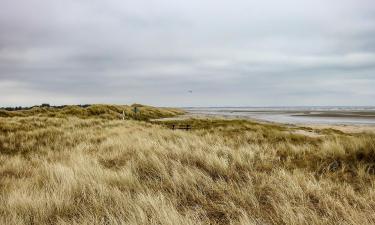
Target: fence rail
181, 127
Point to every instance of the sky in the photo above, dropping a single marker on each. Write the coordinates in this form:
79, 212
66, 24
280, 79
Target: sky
188, 53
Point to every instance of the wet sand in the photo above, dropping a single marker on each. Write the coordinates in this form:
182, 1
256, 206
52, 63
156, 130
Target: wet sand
297, 115
334, 114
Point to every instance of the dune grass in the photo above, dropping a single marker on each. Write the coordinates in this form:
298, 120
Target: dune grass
71, 170
98, 111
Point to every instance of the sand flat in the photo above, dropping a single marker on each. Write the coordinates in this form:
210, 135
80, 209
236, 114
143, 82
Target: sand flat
344, 128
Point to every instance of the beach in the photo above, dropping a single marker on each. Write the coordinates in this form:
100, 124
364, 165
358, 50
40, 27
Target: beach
346, 119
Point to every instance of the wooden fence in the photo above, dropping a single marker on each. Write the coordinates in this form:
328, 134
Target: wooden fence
180, 127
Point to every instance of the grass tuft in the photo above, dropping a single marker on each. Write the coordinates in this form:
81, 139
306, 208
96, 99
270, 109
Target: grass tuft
85, 166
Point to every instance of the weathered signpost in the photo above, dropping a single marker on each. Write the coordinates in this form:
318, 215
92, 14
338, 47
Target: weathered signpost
136, 111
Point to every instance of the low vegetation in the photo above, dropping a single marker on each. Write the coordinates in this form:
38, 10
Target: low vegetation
56, 168
97, 111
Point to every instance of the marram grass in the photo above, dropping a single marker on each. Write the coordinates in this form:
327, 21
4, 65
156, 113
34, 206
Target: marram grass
70, 170
97, 111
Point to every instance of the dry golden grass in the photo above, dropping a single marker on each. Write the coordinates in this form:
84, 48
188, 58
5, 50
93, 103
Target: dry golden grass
97, 111
99, 171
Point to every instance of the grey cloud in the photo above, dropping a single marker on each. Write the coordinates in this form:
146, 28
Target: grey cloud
229, 52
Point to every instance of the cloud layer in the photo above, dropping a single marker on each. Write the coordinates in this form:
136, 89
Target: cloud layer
238, 53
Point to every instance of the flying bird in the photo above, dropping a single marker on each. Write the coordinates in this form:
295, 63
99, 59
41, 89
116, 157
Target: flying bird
190, 91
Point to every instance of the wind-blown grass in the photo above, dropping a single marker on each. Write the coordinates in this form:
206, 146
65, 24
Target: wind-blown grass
97, 110
99, 171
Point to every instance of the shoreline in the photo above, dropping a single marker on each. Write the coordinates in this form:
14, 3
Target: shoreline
346, 128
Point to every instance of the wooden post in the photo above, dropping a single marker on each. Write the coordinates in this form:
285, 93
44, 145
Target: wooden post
135, 112
123, 115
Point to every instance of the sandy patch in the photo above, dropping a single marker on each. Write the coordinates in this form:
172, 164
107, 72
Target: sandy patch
307, 133
345, 128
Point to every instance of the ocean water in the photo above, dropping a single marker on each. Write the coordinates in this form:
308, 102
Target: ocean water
290, 115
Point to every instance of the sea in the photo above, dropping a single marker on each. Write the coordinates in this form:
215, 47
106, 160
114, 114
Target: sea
337, 115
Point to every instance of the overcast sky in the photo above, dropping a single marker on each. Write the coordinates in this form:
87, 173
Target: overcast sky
229, 53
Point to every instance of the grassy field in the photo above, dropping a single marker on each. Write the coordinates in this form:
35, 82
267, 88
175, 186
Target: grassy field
58, 168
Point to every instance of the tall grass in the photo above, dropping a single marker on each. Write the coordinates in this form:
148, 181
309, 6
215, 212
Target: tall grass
98, 110
99, 171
